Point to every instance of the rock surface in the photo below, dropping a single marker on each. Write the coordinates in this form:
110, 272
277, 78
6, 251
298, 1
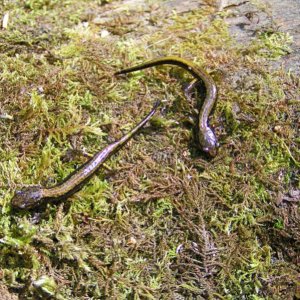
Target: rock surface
246, 20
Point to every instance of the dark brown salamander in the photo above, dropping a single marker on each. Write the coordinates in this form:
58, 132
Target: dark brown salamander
207, 139
32, 196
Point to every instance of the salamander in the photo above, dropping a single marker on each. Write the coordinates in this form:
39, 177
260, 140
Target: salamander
207, 139
33, 196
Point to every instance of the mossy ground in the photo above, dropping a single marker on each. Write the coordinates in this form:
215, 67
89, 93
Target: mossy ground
162, 221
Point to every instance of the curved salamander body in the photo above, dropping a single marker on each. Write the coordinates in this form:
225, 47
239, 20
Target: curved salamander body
32, 196
207, 139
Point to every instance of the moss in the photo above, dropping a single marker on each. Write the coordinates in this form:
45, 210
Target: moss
162, 219
272, 45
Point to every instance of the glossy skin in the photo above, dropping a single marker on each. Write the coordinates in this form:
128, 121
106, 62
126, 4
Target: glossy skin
207, 139
33, 196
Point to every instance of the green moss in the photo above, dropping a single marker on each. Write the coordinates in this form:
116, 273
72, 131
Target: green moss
272, 45
161, 219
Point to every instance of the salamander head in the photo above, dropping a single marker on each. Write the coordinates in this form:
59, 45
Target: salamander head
208, 142
27, 197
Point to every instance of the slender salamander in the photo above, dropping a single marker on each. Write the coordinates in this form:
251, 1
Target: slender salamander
207, 139
33, 196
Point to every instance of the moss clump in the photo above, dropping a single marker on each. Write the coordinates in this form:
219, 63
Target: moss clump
272, 45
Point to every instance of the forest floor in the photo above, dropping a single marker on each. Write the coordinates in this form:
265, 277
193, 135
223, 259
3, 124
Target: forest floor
161, 220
